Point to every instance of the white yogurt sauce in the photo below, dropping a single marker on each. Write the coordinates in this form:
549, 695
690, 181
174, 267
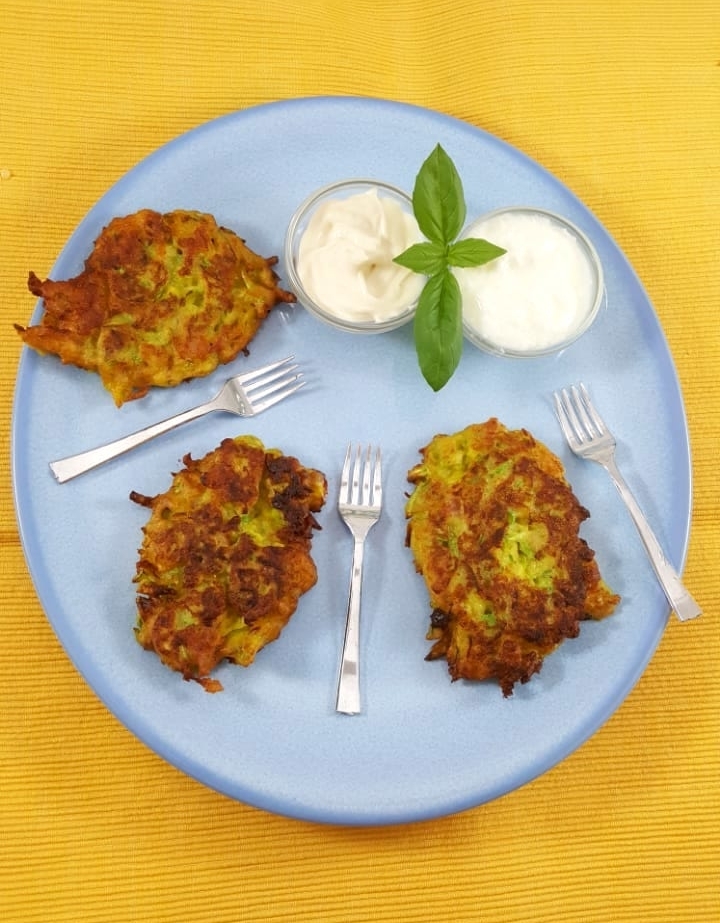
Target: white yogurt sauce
345, 257
535, 296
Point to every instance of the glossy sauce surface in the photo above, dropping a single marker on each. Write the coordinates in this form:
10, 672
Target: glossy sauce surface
345, 257
535, 296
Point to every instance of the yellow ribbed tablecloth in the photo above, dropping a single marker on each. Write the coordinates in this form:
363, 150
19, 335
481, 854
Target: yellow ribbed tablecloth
619, 100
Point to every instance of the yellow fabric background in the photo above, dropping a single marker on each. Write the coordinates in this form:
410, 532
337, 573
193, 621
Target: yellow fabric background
621, 101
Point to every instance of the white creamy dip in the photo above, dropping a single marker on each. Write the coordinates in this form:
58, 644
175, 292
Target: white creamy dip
345, 257
536, 296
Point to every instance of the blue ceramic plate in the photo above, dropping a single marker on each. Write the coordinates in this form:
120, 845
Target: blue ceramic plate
423, 747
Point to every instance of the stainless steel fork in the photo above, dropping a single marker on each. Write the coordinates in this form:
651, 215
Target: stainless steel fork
359, 505
245, 395
588, 437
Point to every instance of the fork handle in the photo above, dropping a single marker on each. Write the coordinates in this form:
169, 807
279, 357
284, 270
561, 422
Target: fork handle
67, 468
677, 595
348, 692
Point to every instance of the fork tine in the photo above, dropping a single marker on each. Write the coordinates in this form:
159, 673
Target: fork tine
377, 480
269, 378
580, 414
365, 496
277, 395
574, 411
361, 478
559, 410
564, 411
270, 384
345, 476
593, 416
354, 495
263, 370
578, 417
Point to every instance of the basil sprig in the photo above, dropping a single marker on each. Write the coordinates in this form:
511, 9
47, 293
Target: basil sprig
439, 208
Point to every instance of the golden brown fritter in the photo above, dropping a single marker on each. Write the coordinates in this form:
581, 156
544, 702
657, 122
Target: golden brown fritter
226, 556
162, 298
493, 527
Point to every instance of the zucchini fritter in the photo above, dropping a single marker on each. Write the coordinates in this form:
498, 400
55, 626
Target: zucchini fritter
493, 527
162, 298
226, 556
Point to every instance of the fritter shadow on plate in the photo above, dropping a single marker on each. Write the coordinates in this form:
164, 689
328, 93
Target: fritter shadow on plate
225, 556
162, 298
493, 527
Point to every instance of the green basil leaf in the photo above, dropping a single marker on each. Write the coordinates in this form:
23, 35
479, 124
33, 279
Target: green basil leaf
438, 329
438, 199
472, 251
440, 211
427, 258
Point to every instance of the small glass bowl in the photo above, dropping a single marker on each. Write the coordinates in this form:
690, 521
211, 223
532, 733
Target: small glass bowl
298, 224
595, 300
